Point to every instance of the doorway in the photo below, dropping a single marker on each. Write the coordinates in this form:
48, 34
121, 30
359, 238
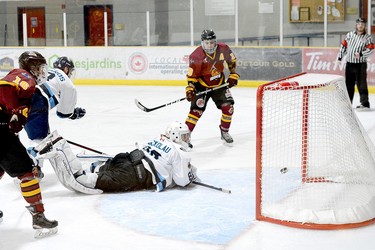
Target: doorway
94, 24
36, 25
363, 7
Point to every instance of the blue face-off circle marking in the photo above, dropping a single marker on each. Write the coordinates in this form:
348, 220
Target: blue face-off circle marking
195, 213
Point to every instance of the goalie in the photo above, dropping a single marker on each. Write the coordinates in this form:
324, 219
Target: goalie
163, 162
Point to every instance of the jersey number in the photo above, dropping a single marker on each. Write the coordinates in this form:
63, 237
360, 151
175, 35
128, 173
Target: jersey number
152, 152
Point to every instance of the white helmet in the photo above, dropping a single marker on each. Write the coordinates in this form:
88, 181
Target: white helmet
178, 132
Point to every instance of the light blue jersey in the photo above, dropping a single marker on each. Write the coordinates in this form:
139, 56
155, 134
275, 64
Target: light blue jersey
171, 161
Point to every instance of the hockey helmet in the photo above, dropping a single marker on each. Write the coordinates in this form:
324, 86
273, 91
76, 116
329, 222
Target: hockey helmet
35, 64
178, 132
208, 35
64, 63
208, 41
361, 20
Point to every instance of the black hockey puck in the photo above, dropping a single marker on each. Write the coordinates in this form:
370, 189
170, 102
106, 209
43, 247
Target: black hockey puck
283, 170
1, 214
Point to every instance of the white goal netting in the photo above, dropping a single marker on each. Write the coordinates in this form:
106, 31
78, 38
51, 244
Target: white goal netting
315, 162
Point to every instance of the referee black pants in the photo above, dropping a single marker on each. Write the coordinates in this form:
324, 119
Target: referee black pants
356, 73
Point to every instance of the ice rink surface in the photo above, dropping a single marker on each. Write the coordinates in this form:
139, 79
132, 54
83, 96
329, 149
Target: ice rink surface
191, 218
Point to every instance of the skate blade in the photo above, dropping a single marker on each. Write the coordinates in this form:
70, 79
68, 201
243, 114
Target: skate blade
45, 232
228, 144
364, 109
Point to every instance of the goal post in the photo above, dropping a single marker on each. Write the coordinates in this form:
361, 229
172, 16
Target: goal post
315, 164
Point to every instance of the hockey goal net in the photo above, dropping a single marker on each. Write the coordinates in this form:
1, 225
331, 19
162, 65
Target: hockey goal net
315, 162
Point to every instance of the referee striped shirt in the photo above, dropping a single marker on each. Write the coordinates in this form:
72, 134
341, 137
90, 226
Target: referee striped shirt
354, 43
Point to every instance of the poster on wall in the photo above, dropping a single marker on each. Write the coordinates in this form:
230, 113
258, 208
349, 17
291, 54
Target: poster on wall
313, 10
267, 64
219, 7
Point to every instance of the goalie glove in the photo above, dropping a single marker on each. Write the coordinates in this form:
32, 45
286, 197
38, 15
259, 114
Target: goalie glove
233, 79
78, 113
193, 174
190, 92
18, 119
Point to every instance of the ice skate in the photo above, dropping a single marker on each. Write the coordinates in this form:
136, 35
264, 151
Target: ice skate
362, 108
226, 137
42, 225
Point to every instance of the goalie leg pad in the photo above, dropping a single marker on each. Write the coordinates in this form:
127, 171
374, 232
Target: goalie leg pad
62, 168
88, 179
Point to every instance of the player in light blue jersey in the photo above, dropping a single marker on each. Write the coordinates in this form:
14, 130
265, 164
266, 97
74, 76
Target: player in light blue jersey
60, 92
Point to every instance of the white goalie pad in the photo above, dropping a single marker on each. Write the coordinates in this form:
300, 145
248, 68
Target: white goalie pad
64, 163
64, 173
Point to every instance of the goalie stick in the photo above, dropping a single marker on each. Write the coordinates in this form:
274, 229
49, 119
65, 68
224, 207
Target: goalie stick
212, 187
94, 157
84, 147
144, 108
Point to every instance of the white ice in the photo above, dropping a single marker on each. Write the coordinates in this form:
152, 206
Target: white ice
192, 218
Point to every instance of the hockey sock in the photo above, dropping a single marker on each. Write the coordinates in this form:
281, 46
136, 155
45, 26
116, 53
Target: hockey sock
31, 191
226, 117
193, 118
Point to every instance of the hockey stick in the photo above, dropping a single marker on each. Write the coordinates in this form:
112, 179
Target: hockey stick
81, 146
97, 157
212, 187
144, 108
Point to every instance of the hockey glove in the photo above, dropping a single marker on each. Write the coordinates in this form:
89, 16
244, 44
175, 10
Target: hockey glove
18, 119
190, 92
233, 79
78, 113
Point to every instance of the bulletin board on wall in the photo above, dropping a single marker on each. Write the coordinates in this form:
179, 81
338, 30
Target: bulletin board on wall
313, 10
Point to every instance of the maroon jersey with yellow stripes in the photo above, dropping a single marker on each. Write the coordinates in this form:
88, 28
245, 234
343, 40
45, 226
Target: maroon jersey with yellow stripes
16, 90
208, 69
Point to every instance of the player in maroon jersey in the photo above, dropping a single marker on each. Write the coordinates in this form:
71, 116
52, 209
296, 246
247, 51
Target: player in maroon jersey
206, 71
16, 90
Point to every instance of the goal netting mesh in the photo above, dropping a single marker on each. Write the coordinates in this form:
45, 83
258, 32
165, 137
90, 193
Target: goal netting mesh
315, 161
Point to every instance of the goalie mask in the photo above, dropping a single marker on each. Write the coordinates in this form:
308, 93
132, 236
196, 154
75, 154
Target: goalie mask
178, 132
65, 64
208, 42
34, 63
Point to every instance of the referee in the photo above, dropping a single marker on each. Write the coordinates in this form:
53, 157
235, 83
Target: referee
358, 46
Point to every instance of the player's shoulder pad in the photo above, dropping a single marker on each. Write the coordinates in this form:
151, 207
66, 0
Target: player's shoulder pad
223, 46
198, 53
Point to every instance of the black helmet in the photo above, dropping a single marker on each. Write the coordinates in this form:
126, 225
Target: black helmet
208, 35
62, 62
361, 20
31, 61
